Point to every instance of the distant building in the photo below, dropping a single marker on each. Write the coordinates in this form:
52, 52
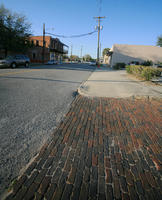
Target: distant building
54, 49
124, 53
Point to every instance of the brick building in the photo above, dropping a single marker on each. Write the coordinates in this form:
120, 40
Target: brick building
54, 49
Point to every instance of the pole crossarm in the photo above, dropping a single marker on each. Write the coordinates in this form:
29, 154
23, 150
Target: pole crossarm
99, 17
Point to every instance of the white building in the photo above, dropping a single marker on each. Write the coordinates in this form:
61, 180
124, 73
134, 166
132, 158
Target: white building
124, 53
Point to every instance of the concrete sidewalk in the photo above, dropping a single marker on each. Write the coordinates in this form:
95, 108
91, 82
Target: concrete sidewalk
105, 148
105, 82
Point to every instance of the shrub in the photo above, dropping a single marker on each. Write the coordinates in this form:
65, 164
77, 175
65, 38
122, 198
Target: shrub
146, 72
138, 69
134, 62
147, 63
129, 69
119, 66
157, 72
135, 69
149, 72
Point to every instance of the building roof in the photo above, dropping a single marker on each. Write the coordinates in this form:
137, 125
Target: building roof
154, 53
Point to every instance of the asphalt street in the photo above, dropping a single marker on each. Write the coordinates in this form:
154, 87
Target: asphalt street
32, 103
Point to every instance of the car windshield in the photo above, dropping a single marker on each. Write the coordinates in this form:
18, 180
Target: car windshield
9, 57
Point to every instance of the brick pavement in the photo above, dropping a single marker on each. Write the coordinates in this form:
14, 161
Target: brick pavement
104, 149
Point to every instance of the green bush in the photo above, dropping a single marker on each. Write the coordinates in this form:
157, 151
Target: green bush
134, 62
129, 69
146, 72
138, 69
119, 66
157, 72
147, 63
135, 69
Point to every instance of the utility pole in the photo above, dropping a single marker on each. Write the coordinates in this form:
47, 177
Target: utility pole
71, 52
81, 52
100, 52
99, 28
43, 52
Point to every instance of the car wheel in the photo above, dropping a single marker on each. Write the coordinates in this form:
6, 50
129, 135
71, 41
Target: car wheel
13, 65
26, 64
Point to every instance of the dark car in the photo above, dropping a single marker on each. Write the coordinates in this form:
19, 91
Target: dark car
14, 61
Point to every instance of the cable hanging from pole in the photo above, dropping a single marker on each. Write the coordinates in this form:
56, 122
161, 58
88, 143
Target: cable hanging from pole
72, 36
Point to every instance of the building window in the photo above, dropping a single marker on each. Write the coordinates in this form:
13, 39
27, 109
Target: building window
37, 43
32, 42
52, 44
34, 56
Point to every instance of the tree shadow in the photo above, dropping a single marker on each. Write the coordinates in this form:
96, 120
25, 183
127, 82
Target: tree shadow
76, 67
40, 79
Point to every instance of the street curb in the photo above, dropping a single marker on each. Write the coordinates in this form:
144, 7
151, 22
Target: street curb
133, 97
82, 86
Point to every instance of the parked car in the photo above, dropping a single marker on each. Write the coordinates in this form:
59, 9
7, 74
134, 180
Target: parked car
157, 65
52, 62
14, 61
92, 63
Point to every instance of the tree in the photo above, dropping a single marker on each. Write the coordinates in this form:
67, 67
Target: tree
65, 57
105, 51
14, 31
159, 41
87, 58
74, 58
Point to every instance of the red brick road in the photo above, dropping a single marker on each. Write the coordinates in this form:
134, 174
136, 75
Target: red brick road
104, 149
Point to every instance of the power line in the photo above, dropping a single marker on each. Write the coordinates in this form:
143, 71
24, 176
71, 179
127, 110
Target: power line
99, 5
72, 36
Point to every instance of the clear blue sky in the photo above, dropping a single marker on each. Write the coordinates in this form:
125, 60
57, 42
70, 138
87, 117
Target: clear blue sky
127, 21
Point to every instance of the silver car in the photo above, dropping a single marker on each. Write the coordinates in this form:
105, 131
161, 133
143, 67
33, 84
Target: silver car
14, 61
52, 62
92, 63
